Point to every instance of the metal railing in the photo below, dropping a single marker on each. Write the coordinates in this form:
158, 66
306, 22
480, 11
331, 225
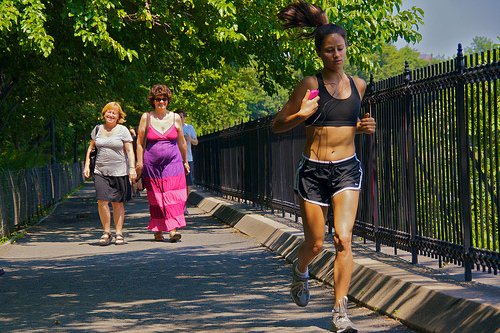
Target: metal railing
431, 171
25, 195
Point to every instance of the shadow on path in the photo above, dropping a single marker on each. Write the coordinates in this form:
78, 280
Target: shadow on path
216, 279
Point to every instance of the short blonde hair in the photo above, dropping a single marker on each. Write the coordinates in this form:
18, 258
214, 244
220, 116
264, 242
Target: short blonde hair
114, 105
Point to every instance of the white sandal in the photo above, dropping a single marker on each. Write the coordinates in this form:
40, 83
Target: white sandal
119, 240
105, 238
175, 237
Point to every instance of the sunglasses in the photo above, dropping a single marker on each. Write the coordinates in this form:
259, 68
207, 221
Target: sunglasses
161, 99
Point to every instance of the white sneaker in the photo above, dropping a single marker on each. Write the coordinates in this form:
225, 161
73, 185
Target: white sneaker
340, 321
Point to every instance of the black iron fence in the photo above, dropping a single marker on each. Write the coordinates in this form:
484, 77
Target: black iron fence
431, 171
25, 195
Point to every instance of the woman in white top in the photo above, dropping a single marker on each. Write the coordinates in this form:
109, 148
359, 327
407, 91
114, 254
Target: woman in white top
113, 170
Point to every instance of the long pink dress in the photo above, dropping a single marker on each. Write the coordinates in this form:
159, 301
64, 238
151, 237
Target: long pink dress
165, 180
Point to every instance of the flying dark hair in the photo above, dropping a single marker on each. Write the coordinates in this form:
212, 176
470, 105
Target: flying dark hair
302, 14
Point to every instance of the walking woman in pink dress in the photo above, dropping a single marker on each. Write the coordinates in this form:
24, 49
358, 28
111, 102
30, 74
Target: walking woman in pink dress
162, 164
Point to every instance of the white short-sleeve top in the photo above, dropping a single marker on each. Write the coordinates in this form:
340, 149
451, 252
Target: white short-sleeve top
111, 159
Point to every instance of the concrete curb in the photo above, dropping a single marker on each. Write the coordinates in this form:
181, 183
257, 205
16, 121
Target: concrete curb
419, 301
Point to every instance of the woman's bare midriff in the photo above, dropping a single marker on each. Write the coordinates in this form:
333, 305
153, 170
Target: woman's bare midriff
329, 143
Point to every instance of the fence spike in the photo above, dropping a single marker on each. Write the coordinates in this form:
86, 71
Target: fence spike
407, 72
459, 62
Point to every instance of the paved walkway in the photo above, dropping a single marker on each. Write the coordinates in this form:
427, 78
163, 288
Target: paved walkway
58, 279
424, 298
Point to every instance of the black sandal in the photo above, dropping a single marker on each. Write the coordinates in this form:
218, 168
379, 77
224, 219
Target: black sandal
105, 239
159, 236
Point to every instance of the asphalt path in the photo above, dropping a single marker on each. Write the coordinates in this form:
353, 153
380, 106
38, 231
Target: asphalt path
58, 279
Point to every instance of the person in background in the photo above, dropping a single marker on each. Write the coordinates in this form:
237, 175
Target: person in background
133, 134
191, 140
329, 172
162, 163
137, 185
113, 172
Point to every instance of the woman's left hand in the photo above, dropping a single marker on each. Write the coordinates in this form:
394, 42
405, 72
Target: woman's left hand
186, 168
367, 124
132, 175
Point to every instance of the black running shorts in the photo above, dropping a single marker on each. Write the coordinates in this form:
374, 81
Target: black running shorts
318, 181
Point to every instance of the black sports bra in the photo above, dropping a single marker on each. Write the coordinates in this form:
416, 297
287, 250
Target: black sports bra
335, 112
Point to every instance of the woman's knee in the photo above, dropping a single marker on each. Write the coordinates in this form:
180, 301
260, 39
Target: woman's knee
315, 246
343, 242
102, 203
117, 204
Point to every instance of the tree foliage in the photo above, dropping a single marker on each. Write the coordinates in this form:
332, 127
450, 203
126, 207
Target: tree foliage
390, 62
481, 44
65, 59
218, 99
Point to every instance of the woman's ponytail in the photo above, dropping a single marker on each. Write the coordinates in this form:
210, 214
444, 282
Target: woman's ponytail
302, 14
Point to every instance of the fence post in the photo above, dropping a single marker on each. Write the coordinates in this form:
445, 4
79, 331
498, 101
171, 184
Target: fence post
463, 165
3, 220
52, 141
410, 166
269, 167
372, 203
15, 202
75, 148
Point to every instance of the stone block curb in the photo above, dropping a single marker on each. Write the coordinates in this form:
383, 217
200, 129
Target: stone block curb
419, 301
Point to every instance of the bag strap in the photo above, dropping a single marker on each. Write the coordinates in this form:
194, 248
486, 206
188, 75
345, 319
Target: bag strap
96, 130
148, 120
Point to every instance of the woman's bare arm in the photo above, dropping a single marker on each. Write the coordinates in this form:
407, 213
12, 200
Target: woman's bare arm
298, 108
141, 132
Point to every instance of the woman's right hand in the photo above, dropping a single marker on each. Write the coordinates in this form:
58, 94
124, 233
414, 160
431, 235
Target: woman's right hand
86, 172
298, 108
187, 169
308, 106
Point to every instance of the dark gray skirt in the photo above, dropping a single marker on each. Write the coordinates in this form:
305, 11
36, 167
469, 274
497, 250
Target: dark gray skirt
114, 189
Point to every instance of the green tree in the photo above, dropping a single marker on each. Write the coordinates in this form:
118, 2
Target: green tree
480, 44
217, 99
390, 62
65, 59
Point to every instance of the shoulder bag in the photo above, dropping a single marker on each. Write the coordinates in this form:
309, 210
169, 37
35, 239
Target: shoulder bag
93, 153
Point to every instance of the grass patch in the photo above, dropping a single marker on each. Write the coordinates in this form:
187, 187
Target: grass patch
13, 237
